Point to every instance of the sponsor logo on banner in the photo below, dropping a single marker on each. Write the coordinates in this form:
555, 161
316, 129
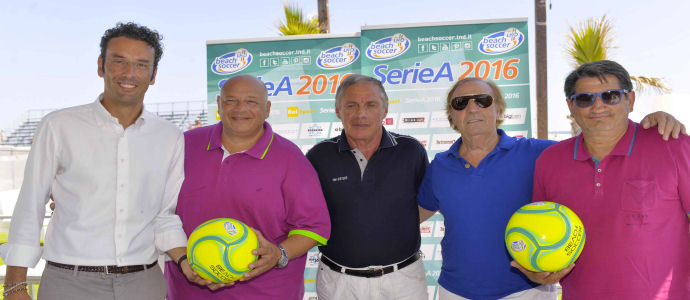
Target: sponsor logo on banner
289, 131
414, 120
501, 42
338, 57
314, 130
292, 111
439, 120
295, 111
443, 141
336, 129
327, 110
388, 47
514, 116
312, 259
519, 134
425, 228
423, 139
390, 121
231, 62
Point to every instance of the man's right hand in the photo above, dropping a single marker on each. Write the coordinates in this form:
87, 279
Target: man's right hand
23, 295
13, 276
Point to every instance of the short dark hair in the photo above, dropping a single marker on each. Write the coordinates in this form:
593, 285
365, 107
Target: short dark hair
136, 32
353, 79
598, 69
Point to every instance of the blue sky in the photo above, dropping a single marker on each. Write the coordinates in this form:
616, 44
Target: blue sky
48, 49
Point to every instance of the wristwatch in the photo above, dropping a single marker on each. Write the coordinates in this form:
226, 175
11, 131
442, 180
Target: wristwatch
283, 261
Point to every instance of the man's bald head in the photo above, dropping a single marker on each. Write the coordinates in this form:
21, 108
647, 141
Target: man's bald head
246, 80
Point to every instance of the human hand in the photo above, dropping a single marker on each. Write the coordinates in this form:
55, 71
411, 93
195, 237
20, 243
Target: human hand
666, 124
269, 255
543, 277
195, 278
20, 295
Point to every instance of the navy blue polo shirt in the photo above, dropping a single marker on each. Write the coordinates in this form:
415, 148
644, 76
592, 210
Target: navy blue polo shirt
374, 215
476, 204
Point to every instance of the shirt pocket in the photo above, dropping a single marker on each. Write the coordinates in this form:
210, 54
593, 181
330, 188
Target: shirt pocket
638, 195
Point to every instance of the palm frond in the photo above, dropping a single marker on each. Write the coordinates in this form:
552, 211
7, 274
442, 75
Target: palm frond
590, 41
643, 83
296, 23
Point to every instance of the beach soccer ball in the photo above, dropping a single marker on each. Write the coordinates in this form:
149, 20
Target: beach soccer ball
545, 236
220, 250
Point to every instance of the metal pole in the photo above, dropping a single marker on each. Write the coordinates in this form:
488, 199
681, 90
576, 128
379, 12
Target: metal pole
542, 97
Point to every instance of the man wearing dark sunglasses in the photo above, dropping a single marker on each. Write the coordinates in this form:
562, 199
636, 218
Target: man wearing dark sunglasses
477, 185
630, 188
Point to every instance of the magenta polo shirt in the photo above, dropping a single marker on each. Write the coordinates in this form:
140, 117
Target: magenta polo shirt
634, 205
271, 187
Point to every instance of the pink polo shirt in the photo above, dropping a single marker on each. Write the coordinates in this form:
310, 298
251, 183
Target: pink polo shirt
271, 187
634, 205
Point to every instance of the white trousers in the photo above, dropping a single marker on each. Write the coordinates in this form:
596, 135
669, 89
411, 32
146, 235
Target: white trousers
542, 292
408, 283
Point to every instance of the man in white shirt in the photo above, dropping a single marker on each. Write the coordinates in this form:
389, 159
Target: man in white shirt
114, 171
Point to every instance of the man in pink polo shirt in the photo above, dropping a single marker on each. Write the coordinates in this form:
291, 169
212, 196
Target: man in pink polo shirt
240, 169
630, 188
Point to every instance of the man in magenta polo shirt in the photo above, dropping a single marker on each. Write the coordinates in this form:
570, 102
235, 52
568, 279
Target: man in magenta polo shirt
240, 169
630, 188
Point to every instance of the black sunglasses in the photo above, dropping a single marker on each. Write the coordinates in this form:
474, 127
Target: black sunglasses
610, 97
482, 100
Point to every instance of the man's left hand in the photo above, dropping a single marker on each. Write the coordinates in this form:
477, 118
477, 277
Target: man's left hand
269, 255
543, 277
666, 124
194, 277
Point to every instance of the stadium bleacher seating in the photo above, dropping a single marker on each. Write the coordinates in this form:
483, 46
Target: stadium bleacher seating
181, 114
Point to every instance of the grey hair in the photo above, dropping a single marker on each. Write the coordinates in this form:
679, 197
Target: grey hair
357, 79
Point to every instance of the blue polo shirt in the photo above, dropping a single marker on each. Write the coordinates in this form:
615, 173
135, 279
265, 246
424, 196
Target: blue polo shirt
374, 215
476, 204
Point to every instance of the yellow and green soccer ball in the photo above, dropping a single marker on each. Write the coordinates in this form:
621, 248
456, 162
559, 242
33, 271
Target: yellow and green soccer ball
220, 250
545, 236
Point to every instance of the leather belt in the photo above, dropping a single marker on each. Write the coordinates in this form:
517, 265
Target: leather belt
105, 269
373, 271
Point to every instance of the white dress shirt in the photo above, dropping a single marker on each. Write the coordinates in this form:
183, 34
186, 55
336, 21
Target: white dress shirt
115, 190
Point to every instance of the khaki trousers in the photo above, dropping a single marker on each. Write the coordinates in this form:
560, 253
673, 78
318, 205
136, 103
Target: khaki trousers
59, 284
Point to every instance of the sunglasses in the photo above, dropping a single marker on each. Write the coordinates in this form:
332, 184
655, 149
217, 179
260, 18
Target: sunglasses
610, 97
482, 100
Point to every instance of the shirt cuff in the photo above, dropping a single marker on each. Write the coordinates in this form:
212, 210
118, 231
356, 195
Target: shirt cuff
20, 255
170, 239
321, 241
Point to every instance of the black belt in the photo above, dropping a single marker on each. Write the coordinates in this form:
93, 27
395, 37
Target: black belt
371, 271
105, 269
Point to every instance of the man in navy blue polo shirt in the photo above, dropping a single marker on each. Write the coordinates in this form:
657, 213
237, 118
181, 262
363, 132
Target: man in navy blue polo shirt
370, 178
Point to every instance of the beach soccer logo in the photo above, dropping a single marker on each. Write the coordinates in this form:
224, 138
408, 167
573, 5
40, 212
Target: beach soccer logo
232, 62
230, 228
338, 57
501, 42
388, 47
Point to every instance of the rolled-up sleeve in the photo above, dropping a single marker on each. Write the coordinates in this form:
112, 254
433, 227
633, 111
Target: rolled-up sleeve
168, 232
306, 209
23, 248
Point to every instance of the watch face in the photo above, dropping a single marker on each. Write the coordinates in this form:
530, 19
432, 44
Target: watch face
283, 258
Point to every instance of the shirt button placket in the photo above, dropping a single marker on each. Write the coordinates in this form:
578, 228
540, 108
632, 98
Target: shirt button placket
122, 194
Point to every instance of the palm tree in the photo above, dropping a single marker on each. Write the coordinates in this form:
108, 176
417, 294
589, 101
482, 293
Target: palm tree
590, 41
296, 23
